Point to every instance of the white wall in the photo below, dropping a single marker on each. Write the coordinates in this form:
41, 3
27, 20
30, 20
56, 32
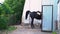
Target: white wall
32, 5
59, 15
35, 5
47, 2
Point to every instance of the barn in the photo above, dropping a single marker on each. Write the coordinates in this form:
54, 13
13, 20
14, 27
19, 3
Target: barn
49, 9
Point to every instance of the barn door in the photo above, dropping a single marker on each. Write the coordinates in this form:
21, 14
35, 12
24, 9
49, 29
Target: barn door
47, 20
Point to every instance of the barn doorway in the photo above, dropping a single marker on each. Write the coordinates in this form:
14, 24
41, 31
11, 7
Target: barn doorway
47, 21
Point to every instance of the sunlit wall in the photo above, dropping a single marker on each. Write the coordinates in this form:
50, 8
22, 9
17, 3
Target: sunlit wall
32, 5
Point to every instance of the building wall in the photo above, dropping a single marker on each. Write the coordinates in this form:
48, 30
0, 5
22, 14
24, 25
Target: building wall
35, 5
32, 5
59, 15
55, 13
47, 2
54, 3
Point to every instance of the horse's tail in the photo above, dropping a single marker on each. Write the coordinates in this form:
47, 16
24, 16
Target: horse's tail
27, 14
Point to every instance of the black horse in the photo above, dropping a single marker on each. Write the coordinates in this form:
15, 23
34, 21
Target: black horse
36, 15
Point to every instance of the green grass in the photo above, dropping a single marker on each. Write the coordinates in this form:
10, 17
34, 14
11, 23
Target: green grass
54, 33
11, 28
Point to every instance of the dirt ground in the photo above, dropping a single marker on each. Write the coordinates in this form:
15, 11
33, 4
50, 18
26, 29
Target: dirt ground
26, 30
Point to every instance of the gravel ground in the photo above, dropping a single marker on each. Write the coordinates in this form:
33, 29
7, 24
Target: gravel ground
26, 30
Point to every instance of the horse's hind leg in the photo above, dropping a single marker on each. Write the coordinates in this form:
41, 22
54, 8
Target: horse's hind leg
32, 25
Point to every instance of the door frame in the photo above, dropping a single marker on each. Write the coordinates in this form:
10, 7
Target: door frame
52, 18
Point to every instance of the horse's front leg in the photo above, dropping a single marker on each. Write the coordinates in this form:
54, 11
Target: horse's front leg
32, 25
